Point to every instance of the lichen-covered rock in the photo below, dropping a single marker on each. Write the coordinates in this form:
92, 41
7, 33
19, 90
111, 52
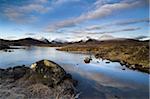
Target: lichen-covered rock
49, 70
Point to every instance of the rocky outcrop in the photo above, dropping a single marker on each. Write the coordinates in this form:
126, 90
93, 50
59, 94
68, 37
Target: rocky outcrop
44, 79
2, 47
14, 73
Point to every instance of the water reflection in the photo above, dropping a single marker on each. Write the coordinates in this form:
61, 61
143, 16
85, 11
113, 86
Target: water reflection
96, 79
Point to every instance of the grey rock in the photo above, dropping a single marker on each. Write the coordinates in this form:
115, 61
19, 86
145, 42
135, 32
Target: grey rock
49, 70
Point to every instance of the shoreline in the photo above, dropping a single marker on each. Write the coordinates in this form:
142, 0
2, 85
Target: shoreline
130, 66
138, 67
98, 76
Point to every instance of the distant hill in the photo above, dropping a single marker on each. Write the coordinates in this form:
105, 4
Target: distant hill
94, 42
45, 42
22, 42
32, 42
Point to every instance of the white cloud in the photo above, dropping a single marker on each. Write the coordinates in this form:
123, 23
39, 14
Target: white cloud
116, 31
30, 34
118, 23
34, 7
18, 16
86, 32
42, 1
58, 2
24, 13
98, 12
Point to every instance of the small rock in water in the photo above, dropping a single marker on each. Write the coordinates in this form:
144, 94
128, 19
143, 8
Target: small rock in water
123, 69
107, 62
9, 51
87, 60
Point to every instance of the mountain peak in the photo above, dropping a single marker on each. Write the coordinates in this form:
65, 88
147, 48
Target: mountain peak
107, 37
44, 40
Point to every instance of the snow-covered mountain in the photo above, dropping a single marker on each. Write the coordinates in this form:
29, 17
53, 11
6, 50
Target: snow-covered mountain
106, 37
58, 41
44, 40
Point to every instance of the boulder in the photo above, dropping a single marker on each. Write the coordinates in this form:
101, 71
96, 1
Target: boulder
50, 71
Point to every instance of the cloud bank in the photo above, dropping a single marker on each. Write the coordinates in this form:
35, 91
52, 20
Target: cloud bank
119, 23
27, 13
101, 11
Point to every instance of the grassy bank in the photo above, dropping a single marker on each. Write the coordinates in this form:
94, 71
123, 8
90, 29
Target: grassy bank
133, 54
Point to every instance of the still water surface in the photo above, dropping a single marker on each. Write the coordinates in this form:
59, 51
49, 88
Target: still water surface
97, 80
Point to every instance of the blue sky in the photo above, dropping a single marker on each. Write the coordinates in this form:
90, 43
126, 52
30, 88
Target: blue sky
73, 19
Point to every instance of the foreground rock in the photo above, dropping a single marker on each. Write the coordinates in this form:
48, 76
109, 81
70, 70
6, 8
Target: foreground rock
44, 80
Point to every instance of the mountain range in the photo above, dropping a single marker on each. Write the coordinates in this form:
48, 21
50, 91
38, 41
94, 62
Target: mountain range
22, 42
46, 42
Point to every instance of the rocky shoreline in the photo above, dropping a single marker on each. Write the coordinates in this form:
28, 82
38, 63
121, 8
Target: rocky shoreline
7, 48
141, 68
128, 65
44, 79
2, 47
132, 54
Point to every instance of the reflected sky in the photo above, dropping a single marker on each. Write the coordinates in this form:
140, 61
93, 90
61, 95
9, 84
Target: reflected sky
97, 79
